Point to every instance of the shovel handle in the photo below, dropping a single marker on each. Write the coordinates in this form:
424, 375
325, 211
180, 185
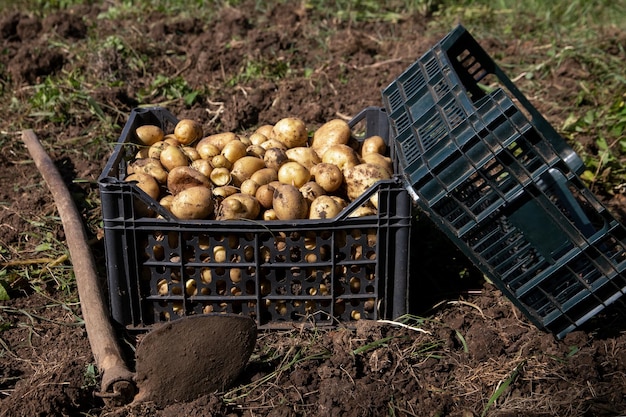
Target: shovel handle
117, 384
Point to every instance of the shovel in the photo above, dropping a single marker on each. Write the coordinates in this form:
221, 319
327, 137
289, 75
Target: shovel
177, 361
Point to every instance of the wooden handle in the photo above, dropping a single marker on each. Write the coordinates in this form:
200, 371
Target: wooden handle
117, 381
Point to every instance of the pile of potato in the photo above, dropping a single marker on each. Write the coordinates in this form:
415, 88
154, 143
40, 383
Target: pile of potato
277, 172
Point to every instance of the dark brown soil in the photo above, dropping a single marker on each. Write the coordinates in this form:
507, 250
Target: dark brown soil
476, 341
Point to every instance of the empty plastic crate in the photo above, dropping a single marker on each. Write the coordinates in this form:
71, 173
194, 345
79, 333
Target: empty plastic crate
503, 185
277, 272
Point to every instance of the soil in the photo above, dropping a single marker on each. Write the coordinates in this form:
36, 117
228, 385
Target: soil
475, 343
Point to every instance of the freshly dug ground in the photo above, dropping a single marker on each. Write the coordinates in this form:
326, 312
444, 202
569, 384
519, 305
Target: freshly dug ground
476, 352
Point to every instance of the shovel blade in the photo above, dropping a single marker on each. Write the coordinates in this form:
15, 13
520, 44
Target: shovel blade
193, 356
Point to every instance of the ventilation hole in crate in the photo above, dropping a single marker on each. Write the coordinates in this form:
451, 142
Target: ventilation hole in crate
356, 252
401, 123
296, 287
235, 275
413, 84
432, 67
158, 253
394, 99
537, 300
450, 210
441, 88
235, 290
191, 287
265, 286
431, 132
410, 151
206, 275
295, 254
204, 242
454, 114
355, 285
612, 247
250, 287
339, 307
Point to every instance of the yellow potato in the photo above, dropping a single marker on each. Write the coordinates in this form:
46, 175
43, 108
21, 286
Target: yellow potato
289, 203
341, 155
274, 158
333, 132
193, 203
373, 144
264, 176
311, 190
187, 131
173, 156
328, 176
324, 207
290, 131
238, 206
361, 177
243, 168
219, 140
149, 134
294, 173
147, 183
305, 156
234, 150
149, 166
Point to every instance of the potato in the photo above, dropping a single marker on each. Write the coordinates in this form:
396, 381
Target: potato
291, 131
378, 159
288, 203
306, 157
249, 187
220, 176
265, 195
294, 173
269, 215
361, 177
363, 211
273, 143
243, 168
341, 155
333, 132
265, 130
238, 206
155, 150
224, 191
207, 150
234, 150
255, 150
257, 138
220, 161
191, 153
173, 156
166, 202
147, 183
149, 134
264, 176
373, 144
328, 176
193, 203
274, 158
188, 131
311, 190
324, 207
149, 166
219, 140
183, 177
203, 166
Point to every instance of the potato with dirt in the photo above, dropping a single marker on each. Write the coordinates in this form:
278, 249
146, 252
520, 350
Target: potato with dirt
238, 206
333, 132
288, 203
193, 203
291, 132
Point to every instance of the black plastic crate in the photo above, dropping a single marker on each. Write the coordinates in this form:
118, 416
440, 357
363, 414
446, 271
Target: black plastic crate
503, 185
278, 272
